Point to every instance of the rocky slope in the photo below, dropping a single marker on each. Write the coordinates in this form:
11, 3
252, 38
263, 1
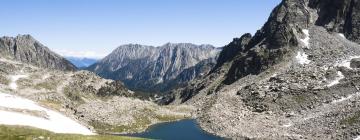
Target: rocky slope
296, 78
104, 106
30, 71
155, 69
26, 49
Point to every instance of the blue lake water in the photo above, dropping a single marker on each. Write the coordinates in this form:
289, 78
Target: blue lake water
179, 130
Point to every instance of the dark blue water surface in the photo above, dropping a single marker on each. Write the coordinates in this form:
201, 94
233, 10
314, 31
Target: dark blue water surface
179, 130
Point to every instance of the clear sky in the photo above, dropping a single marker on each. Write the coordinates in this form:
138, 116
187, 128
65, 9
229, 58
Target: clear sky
96, 27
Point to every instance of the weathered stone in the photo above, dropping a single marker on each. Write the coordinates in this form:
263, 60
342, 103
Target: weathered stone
355, 63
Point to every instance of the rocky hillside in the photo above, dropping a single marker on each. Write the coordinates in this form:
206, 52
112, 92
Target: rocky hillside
296, 78
26, 49
103, 106
148, 68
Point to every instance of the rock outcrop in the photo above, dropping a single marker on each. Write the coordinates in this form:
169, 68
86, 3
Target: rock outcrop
355, 63
25, 48
296, 78
154, 69
339, 16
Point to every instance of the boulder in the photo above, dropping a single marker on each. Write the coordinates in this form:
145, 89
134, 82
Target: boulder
355, 63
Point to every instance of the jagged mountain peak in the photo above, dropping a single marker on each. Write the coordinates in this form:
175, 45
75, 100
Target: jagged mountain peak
338, 16
169, 44
296, 78
231, 50
278, 39
26, 49
143, 67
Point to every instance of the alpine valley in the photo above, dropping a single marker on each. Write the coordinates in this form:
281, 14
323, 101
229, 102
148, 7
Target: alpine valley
296, 78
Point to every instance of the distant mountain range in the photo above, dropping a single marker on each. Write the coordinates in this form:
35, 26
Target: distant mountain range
149, 68
81, 62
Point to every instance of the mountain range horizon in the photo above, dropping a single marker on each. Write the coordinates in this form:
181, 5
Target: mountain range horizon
296, 77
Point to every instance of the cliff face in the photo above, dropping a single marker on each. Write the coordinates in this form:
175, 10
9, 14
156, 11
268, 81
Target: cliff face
296, 78
156, 69
277, 40
26, 49
339, 16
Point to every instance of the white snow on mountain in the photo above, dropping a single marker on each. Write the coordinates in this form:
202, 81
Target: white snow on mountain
302, 58
337, 79
53, 121
306, 39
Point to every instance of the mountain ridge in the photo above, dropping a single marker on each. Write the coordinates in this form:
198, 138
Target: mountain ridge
26, 49
293, 79
153, 68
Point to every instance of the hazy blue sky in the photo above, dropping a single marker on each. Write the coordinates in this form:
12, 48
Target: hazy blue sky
96, 27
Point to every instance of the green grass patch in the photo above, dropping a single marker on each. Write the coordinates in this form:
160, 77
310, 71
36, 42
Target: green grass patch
28, 133
300, 98
4, 80
73, 95
141, 123
167, 118
23, 83
49, 85
52, 104
35, 76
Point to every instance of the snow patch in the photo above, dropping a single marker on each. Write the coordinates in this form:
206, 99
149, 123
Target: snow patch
306, 40
345, 98
11, 101
287, 125
129, 76
340, 76
357, 138
274, 75
302, 58
346, 62
14, 78
160, 80
342, 35
56, 122
130, 91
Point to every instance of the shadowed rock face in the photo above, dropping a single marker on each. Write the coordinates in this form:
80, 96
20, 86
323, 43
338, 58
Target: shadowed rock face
26, 49
339, 16
277, 40
149, 68
273, 42
266, 87
231, 50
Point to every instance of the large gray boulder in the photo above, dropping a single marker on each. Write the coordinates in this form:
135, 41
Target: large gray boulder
355, 63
